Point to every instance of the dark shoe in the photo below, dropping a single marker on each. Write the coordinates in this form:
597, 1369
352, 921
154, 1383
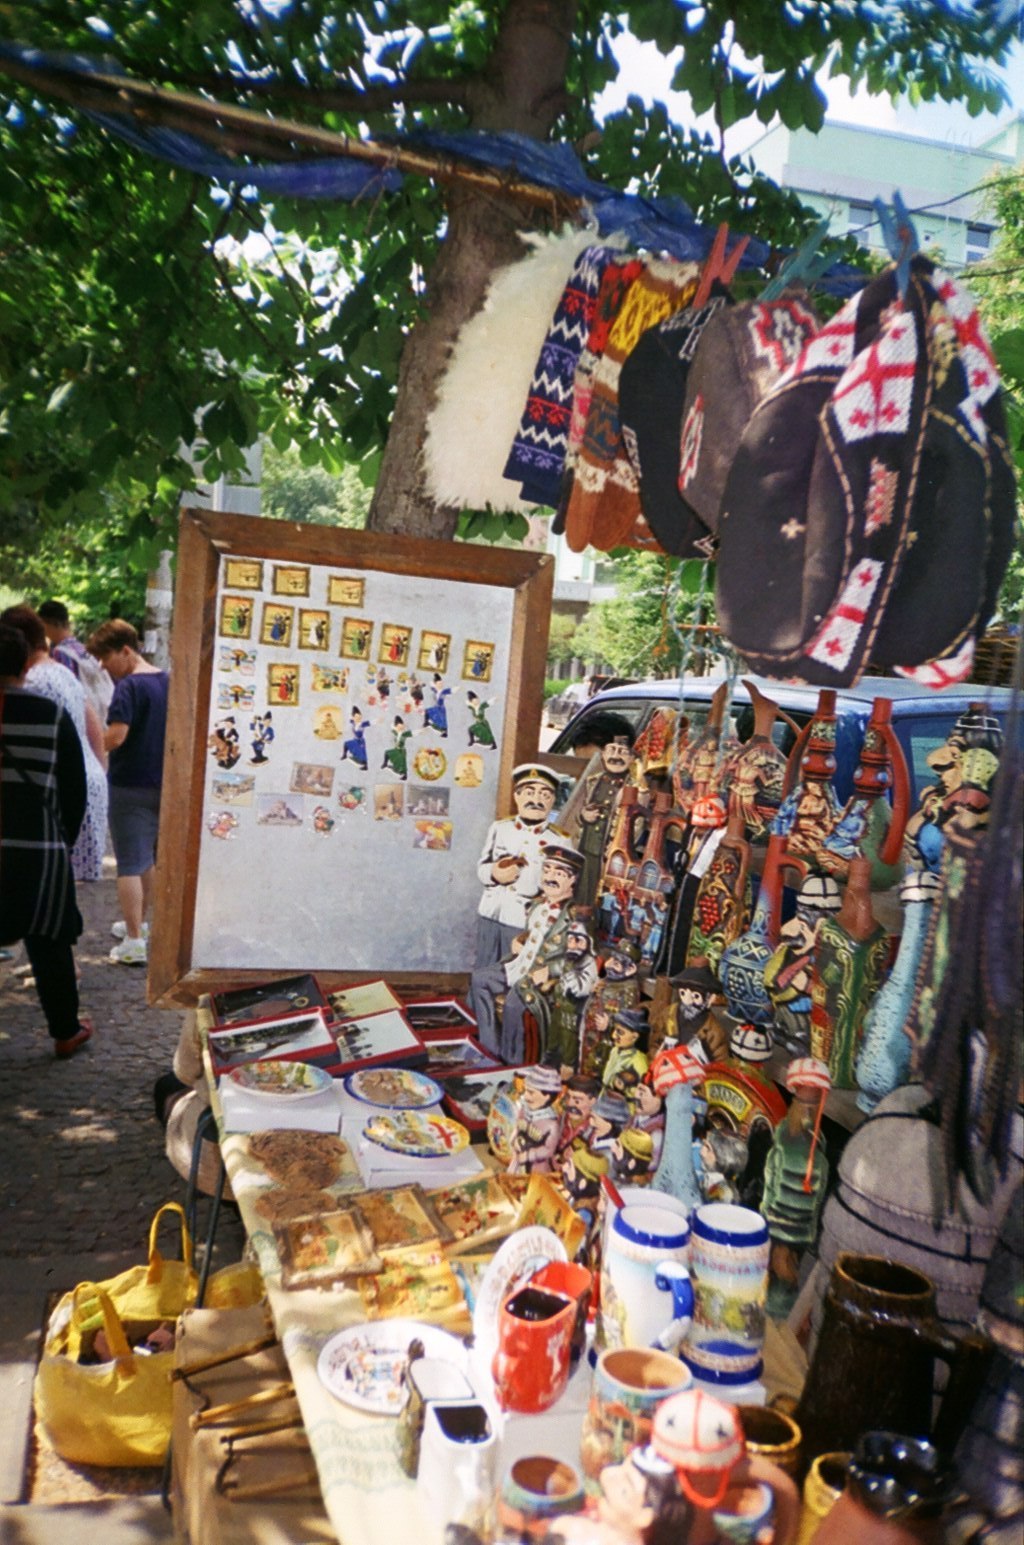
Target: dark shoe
70, 1044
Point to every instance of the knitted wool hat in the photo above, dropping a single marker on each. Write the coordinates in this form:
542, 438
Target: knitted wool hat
701, 1436
652, 388
741, 353
537, 457
613, 1108
543, 1078
815, 516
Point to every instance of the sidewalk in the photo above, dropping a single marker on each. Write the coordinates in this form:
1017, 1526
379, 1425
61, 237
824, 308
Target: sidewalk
82, 1170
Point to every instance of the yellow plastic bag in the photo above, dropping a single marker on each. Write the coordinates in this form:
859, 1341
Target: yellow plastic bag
116, 1412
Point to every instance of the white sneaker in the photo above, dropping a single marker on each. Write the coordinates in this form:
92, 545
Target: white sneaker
130, 952
120, 930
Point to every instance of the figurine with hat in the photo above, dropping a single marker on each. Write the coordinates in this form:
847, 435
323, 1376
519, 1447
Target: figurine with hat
795, 1180
538, 1123
632, 1156
787, 975
617, 988
629, 1034
675, 1073
607, 1119
502, 995
509, 868
559, 1010
696, 1026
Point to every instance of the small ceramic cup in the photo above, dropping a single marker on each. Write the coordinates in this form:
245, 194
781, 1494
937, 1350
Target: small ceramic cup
575, 1282
773, 1435
824, 1485
746, 1510
536, 1489
629, 1385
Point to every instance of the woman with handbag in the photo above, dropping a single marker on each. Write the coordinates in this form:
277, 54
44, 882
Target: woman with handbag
42, 803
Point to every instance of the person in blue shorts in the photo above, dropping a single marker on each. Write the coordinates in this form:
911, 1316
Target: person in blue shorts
136, 726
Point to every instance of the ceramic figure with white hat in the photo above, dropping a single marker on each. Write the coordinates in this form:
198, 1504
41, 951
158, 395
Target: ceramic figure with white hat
674, 1073
509, 868
795, 1180
539, 1123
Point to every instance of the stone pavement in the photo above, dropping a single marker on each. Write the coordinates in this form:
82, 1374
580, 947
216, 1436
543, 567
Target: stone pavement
82, 1166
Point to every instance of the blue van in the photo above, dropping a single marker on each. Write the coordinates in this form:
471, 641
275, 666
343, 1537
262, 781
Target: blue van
921, 719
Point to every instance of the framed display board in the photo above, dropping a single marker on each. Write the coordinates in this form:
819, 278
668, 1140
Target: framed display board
345, 712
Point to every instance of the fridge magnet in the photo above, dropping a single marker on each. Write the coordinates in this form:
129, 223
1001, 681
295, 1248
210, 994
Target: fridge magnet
223, 742
356, 633
327, 724
477, 661
396, 757
469, 770
243, 574
435, 715
382, 686
311, 778
329, 678
394, 644
235, 617
222, 824
283, 685
388, 802
234, 694
241, 661
352, 797
261, 733
276, 626
279, 810
314, 629
430, 763
323, 821
402, 1218
435, 836
354, 749
233, 788
435, 651
480, 732
424, 801
290, 579
343, 591
320, 1251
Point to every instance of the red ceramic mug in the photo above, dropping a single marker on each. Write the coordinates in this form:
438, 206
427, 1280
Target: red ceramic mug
531, 1365
577, 1283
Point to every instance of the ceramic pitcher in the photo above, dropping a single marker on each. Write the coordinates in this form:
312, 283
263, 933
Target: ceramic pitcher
646, 1296
872, 1366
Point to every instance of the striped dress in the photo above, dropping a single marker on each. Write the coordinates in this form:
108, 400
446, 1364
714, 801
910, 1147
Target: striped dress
42, 803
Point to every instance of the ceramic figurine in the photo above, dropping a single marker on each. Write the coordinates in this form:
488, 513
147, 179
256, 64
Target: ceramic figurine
743, 962
558, 1005
632, 1157
758, 771
701, 1437
723, 1158
654, 879
787, 975
581, 1172
722, 904
674, 1073
976, 729
883, 1063
649, 1116
627, 1061
617, 988
510, 865
795, 1180
880, 767
702, 766
579, 1097
850, 953
810, 808
607, 1119
537, 960
589, 820
538, 1124
695, 1023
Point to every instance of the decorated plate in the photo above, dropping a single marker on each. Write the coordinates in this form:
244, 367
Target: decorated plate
279, 1077
515, 1262
395, 1088
365, 1365
420, 1136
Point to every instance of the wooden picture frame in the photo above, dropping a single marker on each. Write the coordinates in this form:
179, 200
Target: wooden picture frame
208, 539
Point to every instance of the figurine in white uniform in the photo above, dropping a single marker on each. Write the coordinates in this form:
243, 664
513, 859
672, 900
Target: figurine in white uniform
510, 864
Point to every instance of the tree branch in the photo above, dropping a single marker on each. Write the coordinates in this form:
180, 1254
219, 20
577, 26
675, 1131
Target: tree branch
347, 99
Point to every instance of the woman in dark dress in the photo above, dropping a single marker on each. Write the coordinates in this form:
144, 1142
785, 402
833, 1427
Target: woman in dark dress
42, 804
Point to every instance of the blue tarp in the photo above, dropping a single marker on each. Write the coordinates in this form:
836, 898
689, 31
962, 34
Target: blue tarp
655, 224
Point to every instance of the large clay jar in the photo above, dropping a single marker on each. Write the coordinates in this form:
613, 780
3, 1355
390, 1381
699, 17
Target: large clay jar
873, 1364
629, 1385
896, 1492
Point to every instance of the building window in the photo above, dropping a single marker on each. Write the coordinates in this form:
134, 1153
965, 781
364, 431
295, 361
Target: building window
977, 243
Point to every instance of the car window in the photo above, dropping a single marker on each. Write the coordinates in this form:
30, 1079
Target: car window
919, 736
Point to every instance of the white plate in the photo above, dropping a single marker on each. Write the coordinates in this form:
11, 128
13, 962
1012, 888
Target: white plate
365, 1365
518, 1258
394, 1088
280, 1077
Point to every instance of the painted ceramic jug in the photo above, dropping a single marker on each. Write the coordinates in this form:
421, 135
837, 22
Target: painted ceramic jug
809, 808
729, 1250
722, 902
646, 1296
850, 952
867, 828
883, 1063
741, 967
758, 771
872, 1366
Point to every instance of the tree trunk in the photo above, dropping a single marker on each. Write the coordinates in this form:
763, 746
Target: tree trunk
522, 90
